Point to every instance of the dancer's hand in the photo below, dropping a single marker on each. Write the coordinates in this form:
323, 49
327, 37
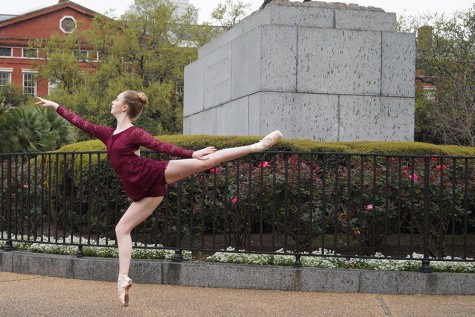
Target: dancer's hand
202, 154
46, 103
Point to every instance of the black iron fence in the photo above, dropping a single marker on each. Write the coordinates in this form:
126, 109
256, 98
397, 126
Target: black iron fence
302, 204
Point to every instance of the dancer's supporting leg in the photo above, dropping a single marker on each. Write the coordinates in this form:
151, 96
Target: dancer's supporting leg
136, 213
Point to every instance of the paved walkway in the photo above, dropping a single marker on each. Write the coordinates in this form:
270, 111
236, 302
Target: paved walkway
34, 295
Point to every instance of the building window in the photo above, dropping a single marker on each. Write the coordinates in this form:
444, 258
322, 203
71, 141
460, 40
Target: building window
93, 56
52, 85
81, 55
6, 51
29, 83
30, 53
68, 24
5, 77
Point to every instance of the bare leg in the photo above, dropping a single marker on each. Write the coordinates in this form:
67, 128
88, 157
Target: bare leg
179, 169
136, 213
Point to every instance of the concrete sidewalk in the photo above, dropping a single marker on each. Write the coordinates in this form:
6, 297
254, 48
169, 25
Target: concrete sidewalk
35, 295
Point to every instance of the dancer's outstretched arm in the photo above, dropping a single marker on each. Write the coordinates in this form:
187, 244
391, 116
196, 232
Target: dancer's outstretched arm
98, 131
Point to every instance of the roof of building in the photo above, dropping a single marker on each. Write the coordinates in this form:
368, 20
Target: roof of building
8, 19
6, 16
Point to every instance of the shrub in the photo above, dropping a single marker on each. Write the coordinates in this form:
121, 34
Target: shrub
297, 196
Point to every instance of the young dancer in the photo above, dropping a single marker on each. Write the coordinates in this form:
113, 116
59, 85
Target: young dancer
145, 180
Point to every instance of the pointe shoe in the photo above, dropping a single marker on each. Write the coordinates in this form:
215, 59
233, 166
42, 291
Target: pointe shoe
267, 142
123, 285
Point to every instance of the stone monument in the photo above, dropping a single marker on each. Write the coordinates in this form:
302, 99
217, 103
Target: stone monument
314, 70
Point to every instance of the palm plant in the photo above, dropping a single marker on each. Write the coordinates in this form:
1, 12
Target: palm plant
4, 108
31, 130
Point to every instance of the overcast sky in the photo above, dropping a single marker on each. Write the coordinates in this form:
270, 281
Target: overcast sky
405, 7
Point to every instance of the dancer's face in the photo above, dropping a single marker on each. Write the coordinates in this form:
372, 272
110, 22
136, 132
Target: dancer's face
118, 105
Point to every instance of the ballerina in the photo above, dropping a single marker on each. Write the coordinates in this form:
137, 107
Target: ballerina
145, 180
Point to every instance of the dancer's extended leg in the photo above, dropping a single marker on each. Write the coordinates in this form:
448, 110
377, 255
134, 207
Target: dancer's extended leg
179, 169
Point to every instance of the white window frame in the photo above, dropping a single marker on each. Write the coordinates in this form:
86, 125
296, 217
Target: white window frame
35, 88
28, 48
6, 71
61, 24
8, 56
52, 84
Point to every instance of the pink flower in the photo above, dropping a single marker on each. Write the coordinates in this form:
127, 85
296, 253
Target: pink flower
234, 200
440, 167
369, 207
214, 170
414, 177
25, 186
263, 164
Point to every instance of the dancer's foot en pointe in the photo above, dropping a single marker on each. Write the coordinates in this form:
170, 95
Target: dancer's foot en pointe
123, 285
267, 142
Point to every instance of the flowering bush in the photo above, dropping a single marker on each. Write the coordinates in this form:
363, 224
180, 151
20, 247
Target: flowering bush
355, 204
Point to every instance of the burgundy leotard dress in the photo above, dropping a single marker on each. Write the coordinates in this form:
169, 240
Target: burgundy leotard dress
141, 177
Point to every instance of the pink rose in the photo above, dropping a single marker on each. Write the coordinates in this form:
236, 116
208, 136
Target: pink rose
414, 177
214, 170
440, 167
263, 164
369, 207
234, 200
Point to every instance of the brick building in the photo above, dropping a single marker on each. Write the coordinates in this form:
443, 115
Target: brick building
18, 59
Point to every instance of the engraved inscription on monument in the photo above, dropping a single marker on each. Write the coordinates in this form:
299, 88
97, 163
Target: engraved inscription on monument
217, 81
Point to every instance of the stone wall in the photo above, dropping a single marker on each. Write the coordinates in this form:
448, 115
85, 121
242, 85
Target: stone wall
315, 70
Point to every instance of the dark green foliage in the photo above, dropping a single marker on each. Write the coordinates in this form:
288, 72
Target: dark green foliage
32, 130
13, 95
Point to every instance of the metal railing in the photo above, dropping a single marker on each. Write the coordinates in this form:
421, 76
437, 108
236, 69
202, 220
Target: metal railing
302, 204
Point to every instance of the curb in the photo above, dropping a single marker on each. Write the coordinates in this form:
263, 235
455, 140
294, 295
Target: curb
241, 276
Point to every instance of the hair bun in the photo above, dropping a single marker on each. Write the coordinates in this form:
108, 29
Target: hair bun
143, 98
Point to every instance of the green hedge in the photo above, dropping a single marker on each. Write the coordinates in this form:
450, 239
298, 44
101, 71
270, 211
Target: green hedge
384, 147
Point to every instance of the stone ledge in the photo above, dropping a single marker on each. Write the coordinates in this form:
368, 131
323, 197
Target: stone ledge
221, 275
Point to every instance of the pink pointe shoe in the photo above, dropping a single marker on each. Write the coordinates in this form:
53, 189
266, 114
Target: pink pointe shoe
267, 142
124, 283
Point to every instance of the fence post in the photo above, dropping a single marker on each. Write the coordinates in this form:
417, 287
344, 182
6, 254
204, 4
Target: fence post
178, 257
297, 260
79, 253
9, 243
425, 260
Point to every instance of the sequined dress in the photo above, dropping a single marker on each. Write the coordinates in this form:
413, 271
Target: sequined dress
141, 177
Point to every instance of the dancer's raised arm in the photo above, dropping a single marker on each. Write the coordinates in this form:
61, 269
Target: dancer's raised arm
98, 131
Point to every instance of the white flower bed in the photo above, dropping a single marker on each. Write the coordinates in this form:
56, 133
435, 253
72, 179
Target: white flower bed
413, 263
107, 249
